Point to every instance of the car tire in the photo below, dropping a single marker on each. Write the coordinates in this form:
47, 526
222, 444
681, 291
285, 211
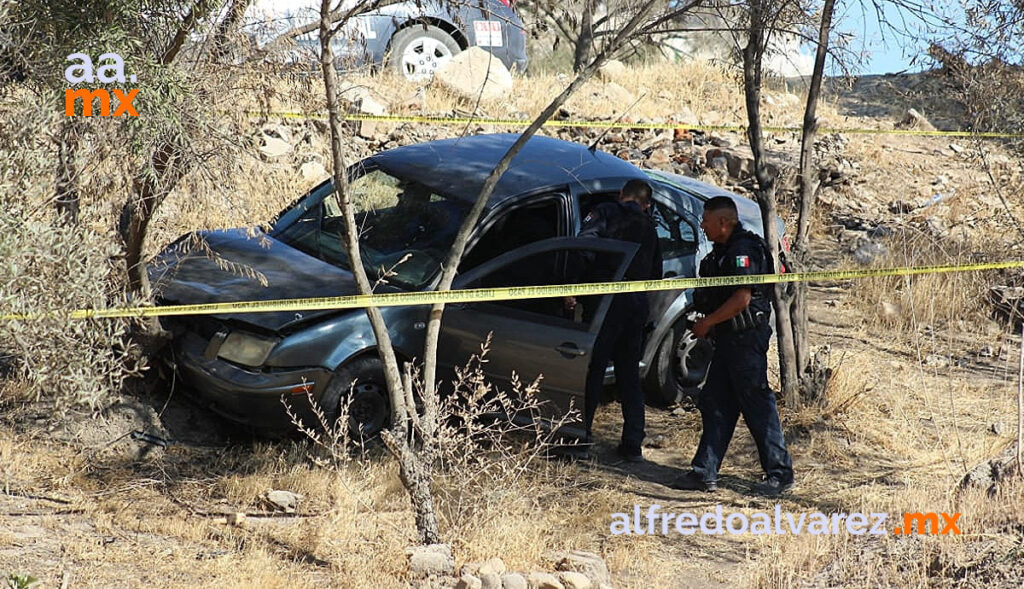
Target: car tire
679, 366
361, 384
417, 51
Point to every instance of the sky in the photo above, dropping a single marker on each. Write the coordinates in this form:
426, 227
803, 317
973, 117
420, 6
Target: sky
883, 49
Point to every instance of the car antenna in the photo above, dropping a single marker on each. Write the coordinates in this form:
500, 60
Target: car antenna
593, 146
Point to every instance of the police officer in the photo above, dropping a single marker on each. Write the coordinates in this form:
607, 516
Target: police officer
736, 318
621, 335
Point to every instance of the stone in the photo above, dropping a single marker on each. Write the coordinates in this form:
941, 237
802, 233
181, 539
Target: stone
366, 129
997, 428
936, 361
720, 141
494, 566
956, 148
655, 441
513, 581
740, 167
283, 500
914, 120
430, 560
274, 148
490, 581
679, 412
900, 207
889, 311
613, 70
539, 580
989, 474
475, 73
574, 580
311, 171
685, 115
617, 96
660, 157
986, 352
277, 131
468, 581
869, 252
588, 563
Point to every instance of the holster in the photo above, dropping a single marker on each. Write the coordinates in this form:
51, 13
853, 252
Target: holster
747, 319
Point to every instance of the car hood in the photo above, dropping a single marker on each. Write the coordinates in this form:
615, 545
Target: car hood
240, 265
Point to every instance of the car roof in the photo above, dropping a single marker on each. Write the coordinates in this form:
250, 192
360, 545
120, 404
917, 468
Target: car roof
459, 167
749, 211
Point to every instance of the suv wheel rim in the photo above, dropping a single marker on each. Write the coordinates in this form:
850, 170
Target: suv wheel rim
692, 357
423, 57
368, 410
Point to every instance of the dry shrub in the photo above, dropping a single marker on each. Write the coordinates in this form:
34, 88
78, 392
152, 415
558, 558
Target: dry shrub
51, 268
55, 269
906, 303
491, 479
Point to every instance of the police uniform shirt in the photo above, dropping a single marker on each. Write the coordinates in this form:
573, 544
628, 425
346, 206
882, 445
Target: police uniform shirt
628, 222
745, 254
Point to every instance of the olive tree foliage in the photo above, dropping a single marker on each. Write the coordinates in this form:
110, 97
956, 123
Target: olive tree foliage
412, 437
173, 133
586, 25
78, 193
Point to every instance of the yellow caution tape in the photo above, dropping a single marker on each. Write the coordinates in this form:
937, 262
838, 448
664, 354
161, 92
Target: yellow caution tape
629, 125
500, 294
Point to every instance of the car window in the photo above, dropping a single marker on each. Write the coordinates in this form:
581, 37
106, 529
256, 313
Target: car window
677, 235
558, 266
522, 225
405, 229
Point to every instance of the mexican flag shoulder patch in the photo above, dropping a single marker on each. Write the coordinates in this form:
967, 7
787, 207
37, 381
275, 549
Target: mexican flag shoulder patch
742, 261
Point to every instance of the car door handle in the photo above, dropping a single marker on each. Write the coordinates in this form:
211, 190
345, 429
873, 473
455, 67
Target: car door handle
570, 349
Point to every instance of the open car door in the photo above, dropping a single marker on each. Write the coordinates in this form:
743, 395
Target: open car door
536, 337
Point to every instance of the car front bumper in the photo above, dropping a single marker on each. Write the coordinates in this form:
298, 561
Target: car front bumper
250, 397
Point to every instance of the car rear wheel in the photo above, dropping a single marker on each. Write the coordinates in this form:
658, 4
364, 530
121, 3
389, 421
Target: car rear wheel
361, 384
680, 364
418, 51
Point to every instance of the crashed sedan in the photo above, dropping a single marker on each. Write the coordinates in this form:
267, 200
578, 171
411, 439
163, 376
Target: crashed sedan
410, 202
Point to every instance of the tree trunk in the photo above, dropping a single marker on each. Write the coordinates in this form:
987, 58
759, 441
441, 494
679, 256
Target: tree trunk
416, 473
808, 177
584, 38
808, 182
149, 189
66, 193
753, 54
221, 41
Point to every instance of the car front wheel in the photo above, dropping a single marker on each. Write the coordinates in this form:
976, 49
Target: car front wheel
418, 51
361, 385
680, 365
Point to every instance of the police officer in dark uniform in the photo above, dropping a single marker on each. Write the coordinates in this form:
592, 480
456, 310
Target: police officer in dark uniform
736, 318
621, 335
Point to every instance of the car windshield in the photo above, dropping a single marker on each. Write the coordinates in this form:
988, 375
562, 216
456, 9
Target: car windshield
405, 229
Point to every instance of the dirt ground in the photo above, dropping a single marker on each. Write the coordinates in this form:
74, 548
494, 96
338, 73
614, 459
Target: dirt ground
918, 398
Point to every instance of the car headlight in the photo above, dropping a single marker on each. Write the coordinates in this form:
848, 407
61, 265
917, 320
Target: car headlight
246, 349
